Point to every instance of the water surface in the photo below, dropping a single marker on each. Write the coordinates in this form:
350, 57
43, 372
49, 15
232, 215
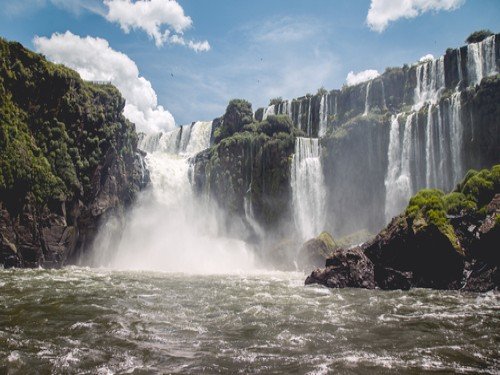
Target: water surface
80, 320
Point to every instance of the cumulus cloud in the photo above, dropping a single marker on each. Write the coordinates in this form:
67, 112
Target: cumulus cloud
355, 78
95, 60
427, 57
384, 11
162, 20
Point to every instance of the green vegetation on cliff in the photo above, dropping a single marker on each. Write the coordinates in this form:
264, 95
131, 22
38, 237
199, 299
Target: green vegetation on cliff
433, 207
55, 129
478, 36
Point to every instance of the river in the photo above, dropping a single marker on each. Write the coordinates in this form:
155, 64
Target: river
88, 321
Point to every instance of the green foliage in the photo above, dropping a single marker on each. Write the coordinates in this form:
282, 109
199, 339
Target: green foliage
480, 187
276, 101
429, 204
238, 114
55, 128
455, 203
478, 36
273, 125
322, 91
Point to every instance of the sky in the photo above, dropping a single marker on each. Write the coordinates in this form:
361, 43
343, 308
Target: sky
178, 61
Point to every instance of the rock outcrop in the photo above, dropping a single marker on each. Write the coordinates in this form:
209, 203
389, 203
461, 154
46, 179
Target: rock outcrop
441, 242
68, 159
315, 251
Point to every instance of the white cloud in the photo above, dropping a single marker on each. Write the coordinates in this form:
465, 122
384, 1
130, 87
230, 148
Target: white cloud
384, 11
283, 30
427, 57
366, 75
20, 7
158, 18
95, 60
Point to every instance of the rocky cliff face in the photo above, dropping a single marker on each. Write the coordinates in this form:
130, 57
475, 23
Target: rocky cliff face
247, 170
415, 127
68, 158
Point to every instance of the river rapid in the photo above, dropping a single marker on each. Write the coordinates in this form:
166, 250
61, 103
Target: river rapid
88, 321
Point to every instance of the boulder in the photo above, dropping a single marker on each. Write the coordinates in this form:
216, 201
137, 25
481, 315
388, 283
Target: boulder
315, 251
345, 268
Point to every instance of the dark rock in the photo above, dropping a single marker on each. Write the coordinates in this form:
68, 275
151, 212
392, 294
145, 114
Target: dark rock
346, 268
390, 279
425, 252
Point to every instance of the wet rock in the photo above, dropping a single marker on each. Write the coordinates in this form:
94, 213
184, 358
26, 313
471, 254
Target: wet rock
346, 268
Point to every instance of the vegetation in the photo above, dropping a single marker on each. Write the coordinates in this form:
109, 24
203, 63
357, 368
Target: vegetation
55, 128
322, 91
478, 36
472, 195
276, 101
238, 114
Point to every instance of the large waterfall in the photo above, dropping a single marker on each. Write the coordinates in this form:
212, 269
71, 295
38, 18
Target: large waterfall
308, 188
440, 161
481, 61
170, 228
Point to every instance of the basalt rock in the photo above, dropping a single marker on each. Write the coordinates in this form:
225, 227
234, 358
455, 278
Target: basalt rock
345, 268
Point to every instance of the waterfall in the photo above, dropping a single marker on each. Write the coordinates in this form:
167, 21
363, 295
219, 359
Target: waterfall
199, 137
308, 188
268, 112
481, 60
398, 178
367, 97
384, 103
323, 115
309, 118
456, 130
430, 82
169, 228
299, 117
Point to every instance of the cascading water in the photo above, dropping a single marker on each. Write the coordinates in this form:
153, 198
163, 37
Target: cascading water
308, 188
309, 118
456, 136
398, 178
169, 228
367, 98
323, 115
430, 82
481, 60
268, 112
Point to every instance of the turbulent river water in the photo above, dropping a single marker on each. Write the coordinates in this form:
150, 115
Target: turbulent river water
81, 320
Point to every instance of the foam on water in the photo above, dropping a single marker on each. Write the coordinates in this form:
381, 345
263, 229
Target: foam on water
82, 320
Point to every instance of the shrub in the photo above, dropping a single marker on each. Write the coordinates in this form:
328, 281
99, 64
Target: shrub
276, 101
455, 203
478, 36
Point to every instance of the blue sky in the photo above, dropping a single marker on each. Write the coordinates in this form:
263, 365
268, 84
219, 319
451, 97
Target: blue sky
259, 49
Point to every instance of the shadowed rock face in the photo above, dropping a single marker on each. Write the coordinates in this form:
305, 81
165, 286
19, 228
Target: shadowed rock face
80, 161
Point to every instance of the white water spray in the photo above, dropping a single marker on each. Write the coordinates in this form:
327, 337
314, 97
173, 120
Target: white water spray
169, 228
308, 188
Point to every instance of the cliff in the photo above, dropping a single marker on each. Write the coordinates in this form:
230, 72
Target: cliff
247, 169
68, 158
413, 127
